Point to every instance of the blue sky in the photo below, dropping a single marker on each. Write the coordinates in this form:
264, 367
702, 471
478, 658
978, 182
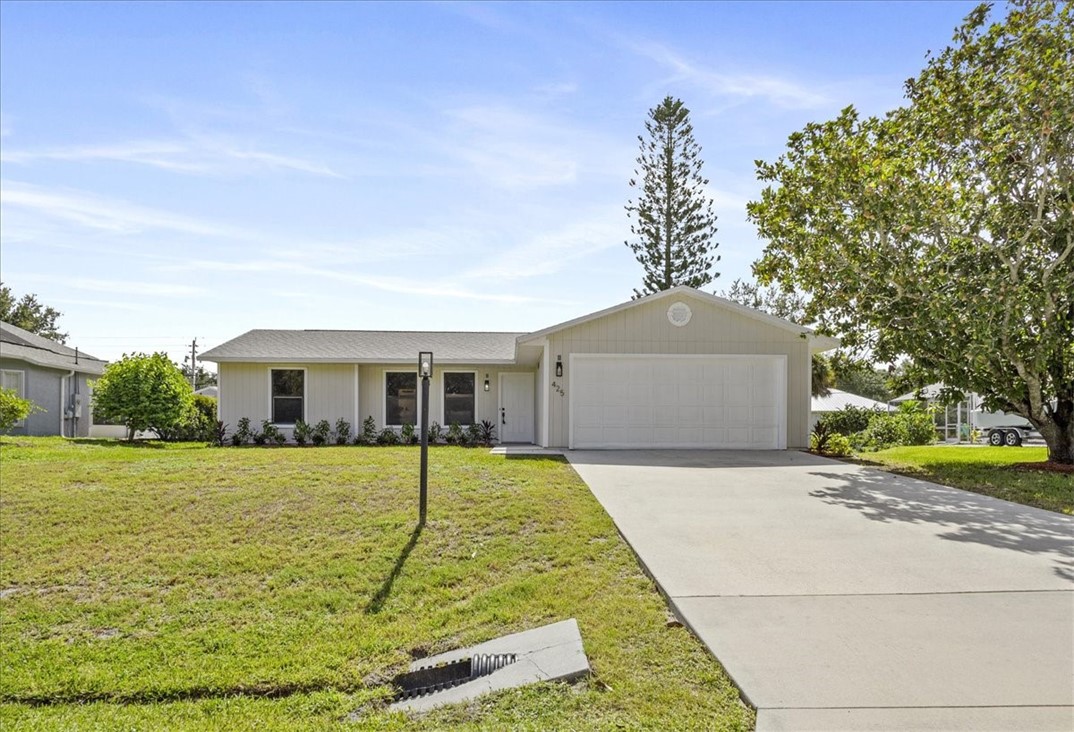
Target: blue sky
172, 171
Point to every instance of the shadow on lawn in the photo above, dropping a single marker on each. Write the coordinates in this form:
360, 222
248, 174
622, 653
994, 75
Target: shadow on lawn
964, 516
377, 602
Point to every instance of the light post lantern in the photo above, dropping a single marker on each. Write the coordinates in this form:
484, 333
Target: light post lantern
425, 371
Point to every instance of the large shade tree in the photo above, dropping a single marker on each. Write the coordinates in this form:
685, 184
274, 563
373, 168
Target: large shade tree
944, 231
673, 221
144, 392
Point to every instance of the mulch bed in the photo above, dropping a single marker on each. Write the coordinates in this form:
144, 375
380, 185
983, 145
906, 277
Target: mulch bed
1046, 466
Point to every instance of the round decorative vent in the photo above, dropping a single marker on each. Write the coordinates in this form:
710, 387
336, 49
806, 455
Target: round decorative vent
679, 314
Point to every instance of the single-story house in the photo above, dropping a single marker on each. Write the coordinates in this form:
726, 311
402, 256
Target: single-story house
838, 399
677, 369
209, 391
52, 376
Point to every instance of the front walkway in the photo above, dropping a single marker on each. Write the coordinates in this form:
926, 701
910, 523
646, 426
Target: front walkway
840, 597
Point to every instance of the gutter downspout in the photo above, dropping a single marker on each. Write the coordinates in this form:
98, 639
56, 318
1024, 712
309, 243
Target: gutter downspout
63, 394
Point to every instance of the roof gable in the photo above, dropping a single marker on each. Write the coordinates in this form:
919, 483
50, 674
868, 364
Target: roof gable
821, 343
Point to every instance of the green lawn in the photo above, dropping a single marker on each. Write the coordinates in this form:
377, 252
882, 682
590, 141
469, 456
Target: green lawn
185, 587
986, 470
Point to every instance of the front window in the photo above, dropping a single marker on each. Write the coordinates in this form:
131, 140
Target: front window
401, 397
288, 393
459, 398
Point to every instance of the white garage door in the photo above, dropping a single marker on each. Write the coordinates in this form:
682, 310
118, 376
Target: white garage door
636, 401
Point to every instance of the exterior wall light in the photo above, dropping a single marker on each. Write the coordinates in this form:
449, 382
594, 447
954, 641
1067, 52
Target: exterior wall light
486, 382
559, 367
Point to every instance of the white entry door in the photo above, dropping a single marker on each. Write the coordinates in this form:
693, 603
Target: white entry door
516, 408
673, 401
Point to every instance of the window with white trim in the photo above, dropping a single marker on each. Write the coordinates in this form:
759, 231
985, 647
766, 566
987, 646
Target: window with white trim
460, 397
288, 395
16, 382
400, 398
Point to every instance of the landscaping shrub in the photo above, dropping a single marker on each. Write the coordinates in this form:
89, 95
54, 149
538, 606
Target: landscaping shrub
199, 424
920, 429
271, 432
388, 436
219, 434
303, 432
407, 435
454, 435
320, 433
14, 408
369, 431
834, 444
343, 431
242, 433
488, 432
473, 434
436, 433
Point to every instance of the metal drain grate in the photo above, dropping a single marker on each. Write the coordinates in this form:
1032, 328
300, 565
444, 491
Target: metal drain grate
429, 679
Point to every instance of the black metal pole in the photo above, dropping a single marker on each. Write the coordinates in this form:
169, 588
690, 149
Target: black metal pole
424, 449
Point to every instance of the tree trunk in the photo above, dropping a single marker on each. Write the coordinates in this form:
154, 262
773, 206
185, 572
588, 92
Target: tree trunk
1058, 432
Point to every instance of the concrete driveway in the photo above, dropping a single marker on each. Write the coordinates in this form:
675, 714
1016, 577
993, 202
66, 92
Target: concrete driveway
844, 598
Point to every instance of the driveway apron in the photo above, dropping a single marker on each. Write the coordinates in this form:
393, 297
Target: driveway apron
840, 597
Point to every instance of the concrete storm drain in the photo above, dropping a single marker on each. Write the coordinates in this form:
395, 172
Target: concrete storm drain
549, 653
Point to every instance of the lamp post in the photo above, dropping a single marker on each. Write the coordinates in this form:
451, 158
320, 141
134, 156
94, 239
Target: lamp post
425, 370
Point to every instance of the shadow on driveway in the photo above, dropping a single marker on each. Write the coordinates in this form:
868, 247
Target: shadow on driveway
969, 517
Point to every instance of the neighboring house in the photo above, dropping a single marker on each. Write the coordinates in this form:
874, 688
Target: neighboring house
956, 421
837, 400
52, 376
209, 391
680, 368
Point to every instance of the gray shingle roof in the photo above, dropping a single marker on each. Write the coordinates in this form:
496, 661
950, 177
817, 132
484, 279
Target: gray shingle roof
370, 346
17, 343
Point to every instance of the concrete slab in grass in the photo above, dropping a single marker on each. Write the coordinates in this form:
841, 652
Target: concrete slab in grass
549, 653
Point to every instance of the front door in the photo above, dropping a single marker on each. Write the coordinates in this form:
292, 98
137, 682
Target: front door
516, 408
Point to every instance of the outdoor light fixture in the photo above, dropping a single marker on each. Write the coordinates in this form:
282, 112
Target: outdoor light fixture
559, 366
425, 364
486, 382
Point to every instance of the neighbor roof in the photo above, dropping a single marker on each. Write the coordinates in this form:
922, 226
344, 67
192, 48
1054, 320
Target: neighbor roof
839, 399
365, 346
17, 343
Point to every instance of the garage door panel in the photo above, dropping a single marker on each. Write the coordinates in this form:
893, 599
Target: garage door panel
678, 401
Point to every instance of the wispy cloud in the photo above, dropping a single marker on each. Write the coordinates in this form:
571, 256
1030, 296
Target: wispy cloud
126, 287
782, 92
103, 214
551, 252
510, 147
398, 285
193, 154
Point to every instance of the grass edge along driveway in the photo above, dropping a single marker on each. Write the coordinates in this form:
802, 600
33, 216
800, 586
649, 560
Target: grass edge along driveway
991, 471
188, 587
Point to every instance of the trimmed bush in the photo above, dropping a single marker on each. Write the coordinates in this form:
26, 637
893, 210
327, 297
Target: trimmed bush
388, 436
343, 431
320, 433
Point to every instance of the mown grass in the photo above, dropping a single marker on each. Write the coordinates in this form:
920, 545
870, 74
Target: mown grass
987, 470
185, 587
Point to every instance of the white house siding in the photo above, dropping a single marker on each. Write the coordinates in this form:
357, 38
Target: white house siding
245, 392
645, 329
371, 394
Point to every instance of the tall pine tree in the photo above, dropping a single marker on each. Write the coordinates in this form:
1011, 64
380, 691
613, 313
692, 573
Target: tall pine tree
673, 223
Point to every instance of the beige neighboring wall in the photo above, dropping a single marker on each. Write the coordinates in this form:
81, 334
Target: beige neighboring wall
645, 329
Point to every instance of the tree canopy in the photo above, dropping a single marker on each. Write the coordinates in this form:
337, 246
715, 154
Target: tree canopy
673, 221
29, 314
944, 231
145, 393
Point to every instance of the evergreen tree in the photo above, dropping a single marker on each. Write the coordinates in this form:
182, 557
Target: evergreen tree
29, 314
673, 223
